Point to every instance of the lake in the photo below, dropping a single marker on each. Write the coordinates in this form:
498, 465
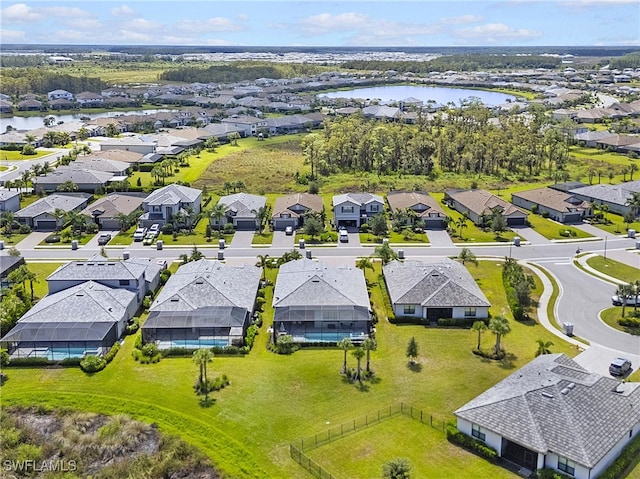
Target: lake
441, 95
33, 122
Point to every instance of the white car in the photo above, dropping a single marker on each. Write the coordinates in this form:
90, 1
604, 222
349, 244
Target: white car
631, 300
343, 235
154, 228
139, 234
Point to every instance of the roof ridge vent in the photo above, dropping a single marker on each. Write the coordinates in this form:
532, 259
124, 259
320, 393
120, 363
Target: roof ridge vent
565, 391
547, 395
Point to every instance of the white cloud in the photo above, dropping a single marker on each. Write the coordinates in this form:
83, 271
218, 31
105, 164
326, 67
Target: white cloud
243, 17
12, 36
123, 11
85, 25
327, 22
461, 20
65, 12
495, 32
136, 37
141, 25
20, 13
216, 24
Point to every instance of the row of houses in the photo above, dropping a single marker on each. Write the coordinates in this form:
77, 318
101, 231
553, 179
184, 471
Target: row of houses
208, 303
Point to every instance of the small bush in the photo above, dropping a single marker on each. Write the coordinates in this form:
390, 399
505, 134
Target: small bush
133, 327
29, 362
459, 322
565, 233
548, 473
490, 354
471, 444
252, 331
364, 228
544, 214
71, 362
112, 352
228, 228
629, 322
92, 364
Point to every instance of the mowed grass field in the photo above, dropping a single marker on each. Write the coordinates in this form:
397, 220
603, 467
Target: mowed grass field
273, 400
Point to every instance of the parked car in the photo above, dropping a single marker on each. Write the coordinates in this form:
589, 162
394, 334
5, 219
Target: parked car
52, 239
343, 235
103, 239
631, 301
154, 228
139, 234
288, 230
619, 367
149, 239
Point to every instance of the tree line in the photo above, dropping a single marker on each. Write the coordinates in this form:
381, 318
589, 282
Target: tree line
231, 73
20, 81
462, 62
463, 141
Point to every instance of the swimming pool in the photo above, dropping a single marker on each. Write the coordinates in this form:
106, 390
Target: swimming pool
193, 343
58, 354
331, 337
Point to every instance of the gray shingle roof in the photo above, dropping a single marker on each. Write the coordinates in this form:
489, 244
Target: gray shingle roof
86, 302
357, 198
307, 282
77, 175
98, 270
6, 194
206, 283
445, 283
50, 203
616, 194
173, 194
243, 204
553, 404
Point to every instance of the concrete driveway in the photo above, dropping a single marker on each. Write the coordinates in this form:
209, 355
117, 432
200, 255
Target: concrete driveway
242, 239
93, 242
439, 238
33, 240
281, 240
597, 358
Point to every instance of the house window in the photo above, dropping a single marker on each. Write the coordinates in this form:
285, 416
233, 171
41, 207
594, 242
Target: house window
565, 465
409, 309
124, 282
469, 312
478, 432
375, 208
347, 209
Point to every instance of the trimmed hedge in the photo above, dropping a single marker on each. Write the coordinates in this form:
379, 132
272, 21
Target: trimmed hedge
629, 454
548, 473
17, 362
471, 444
460, 322
408, 320
386, 299
112, 353
629, 322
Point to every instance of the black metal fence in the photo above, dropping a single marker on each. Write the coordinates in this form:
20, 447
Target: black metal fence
297, 448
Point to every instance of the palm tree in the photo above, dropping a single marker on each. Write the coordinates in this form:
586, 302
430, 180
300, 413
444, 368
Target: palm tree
461, 223
202, 357
633, 202
263, 262
228, 186
624, 292
369, 345
59, 214
6, 219
218, 212
345, 345
500, 327
262, 213
636, 291
358, 353
29, 138
543, 347
364, 263
466, 255
480, 327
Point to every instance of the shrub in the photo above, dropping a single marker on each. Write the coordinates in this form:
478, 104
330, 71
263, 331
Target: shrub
471, 444
629, 322
133, 327
30, 362
176, 352
408, 320
548, 473
545, 214
150, 349
459, 322
565, 233
252, 331
228, 228
71, 362
146, 302
92, 364
112, 352
490, 354
364, 228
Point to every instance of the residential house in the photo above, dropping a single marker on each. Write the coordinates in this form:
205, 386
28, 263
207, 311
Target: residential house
60, 95
6, 106
222, 130
204, 304
553, 413
434, 290
558, 205
241, 211
9, 200
615, 197
479, 205
118, 168
249, 124
129, 143
89, 100
162, 204
420, 208
31, 105
84, 319
316, 302
590, 138
106, 211
290, 210
85, 179
41, 214
8, 264
354, 209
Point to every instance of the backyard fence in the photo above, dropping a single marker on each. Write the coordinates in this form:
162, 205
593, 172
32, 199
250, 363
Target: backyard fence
297, 448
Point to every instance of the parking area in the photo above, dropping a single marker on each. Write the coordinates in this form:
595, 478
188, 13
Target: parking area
597, 358
93, 242
282, 240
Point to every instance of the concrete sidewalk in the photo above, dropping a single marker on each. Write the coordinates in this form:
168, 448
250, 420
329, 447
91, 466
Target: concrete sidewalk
582, 261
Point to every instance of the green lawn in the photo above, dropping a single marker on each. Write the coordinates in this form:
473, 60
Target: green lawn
264, 238
616, 225
83, 239
13, 239
551, 229
614, 268
17, 155
610, 316
41, 270
123, 238
275, 399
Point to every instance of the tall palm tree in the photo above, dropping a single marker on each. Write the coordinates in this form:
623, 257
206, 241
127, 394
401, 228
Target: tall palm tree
364, 263
358, 353
202, 357
369, 345
480, 327
500, 327
624, 292
59, 214
263, 262
543, 347
345, 345
633, 202
262, 213
218, 213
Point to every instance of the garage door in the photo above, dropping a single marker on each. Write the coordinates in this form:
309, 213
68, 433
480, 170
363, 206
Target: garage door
516, 221
573, 218
281, 224
46, 225
246, 225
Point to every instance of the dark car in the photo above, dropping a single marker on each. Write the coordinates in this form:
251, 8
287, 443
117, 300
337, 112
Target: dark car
103, 239
52, 239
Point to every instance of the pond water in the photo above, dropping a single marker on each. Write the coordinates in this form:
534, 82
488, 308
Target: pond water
441, 95
33, 122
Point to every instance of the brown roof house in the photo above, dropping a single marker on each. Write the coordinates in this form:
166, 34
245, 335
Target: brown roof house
426, 208
560, 206
479, 205
290, 210
105, 212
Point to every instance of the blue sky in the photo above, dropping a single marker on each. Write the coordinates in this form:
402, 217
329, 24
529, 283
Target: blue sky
324, 23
